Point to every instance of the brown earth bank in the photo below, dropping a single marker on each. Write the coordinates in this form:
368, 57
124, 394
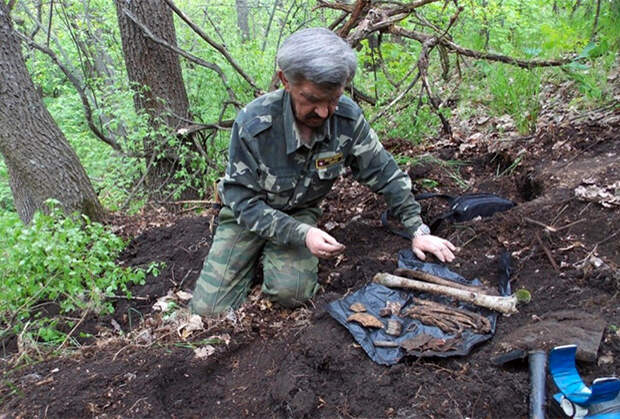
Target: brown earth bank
265, 361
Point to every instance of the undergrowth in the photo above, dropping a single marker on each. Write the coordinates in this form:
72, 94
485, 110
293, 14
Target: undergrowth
58, 264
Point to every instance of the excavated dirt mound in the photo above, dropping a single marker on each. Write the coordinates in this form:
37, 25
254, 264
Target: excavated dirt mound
273, 362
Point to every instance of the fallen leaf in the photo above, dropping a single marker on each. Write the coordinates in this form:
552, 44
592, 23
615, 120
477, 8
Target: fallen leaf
607, 196
204, 352
164, 303
224, 338
193, 324
184, 295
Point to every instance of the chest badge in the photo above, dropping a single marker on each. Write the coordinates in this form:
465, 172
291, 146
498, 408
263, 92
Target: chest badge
328, 161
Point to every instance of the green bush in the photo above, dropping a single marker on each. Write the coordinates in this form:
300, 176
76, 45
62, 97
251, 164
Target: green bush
69, 262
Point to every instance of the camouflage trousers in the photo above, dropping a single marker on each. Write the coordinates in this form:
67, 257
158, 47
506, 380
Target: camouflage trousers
289, 273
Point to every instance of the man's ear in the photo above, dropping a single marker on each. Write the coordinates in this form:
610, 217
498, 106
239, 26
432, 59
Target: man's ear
284, 80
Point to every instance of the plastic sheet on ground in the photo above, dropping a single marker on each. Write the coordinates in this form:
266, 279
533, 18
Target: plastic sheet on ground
374, 298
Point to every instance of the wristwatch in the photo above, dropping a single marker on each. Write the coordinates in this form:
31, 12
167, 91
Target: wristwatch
423, 230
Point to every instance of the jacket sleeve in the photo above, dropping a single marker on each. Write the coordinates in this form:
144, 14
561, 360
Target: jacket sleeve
241, 192
375, 167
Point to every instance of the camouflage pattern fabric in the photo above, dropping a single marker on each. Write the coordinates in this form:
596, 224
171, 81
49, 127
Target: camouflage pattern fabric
272, 173
289, 273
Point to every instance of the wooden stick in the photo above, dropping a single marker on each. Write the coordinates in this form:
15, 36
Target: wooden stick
506, 305
548, 253
546, 227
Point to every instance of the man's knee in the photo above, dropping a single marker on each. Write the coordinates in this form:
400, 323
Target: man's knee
218, 290
204, 302
291, 292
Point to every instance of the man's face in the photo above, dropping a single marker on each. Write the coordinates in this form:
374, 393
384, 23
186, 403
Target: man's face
312, 104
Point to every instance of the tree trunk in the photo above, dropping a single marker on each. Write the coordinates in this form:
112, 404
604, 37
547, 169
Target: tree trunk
158, 70
242, 19
40, 161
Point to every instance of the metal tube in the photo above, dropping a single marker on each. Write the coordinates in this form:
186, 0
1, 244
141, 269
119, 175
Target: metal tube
538, 371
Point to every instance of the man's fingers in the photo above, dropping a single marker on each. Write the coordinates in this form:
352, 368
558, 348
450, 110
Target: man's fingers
331, 241
439, 255
420, 254
440, 248
443, 253
450, 245
448, 254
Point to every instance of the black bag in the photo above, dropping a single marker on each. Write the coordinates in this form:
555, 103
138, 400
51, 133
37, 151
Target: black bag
462, 208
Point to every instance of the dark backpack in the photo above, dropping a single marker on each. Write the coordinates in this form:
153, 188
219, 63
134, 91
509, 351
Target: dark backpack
462, 208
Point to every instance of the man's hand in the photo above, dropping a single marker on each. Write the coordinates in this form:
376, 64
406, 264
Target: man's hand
322, 245
439, 247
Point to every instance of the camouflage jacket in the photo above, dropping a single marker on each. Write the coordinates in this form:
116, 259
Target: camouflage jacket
271, 172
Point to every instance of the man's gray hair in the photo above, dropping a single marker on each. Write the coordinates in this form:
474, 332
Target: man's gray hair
319, 56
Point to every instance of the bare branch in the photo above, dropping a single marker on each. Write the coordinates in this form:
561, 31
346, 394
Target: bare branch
322, 4
358, 94
215, 28
356, 14
215, 45
273, 13
78, 87
422, 37
423, 67
376, 20
338, 21
396, 99
191, 57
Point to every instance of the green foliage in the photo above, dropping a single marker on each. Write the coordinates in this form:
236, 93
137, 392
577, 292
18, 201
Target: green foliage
524, 29
58, 261
515, 92
6, 198
590, 71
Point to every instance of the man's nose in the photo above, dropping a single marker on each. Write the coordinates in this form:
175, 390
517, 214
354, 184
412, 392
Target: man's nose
322, 111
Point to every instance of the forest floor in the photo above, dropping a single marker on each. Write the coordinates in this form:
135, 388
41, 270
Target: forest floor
266, 361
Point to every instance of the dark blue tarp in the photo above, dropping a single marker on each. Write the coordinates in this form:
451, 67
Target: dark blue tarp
374, 297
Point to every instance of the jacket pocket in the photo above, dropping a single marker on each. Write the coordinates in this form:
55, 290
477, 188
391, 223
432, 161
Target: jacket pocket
279, 188
331, 172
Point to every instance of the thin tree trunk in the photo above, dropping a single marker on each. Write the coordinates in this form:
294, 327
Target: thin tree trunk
242, 19
273, 12
596, 16
40, 161
160, 88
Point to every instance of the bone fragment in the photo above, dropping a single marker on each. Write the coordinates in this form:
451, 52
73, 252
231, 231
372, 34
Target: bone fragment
394, 327
357, 307
366, 320
506, 305
426, 277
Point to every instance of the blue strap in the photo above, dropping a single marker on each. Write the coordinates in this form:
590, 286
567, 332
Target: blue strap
566, 377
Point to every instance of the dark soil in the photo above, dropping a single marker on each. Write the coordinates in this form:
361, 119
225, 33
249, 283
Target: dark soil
302, 363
